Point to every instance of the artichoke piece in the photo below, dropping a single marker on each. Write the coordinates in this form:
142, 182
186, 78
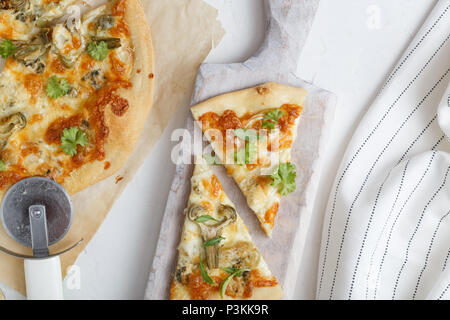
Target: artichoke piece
13, 4
9, 125
113, 43
241, 255
31, 53
211, 231
105, 22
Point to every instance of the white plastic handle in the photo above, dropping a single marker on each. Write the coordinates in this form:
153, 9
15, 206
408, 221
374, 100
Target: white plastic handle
43, 279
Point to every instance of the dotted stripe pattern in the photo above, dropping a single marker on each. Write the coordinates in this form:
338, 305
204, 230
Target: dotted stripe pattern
446, 260
415, 232
427, 257
386, 147
372, 214
400, 188
391, 230
367, 139
438, 143
444, 292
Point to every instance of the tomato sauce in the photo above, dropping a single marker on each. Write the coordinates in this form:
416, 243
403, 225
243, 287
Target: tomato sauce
8, 178
29, 148
56, 128
96, 108
199, 289
216, 188
271, 214
291, 113
7, 32
119, 8
119, 105
35, 118
118, 67
33, 84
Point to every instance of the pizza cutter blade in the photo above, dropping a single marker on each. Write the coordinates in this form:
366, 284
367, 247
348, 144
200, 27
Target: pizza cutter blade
37, 213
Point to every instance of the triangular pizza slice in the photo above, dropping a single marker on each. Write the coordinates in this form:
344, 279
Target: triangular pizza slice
216, 256
252, 132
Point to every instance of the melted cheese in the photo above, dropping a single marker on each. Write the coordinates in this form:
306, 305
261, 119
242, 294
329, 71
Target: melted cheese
30, 96
190, 247
261, 196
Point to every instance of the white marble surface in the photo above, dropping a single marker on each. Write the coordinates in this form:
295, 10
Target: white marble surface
352, 47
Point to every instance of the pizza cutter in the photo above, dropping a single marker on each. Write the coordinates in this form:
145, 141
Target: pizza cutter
37, 213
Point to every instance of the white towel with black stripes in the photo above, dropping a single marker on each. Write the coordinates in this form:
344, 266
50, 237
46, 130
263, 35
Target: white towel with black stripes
386, 231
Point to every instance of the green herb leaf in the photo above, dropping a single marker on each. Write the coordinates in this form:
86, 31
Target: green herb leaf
71, 138
98, 50
247, 155
206, 218
284, 178
212, 160
57, 87
226, 282
246, 134
7, 48
230, 270
212, 242
271, 118
205, 274
2, 165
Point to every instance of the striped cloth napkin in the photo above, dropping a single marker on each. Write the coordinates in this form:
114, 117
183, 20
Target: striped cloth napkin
386, 231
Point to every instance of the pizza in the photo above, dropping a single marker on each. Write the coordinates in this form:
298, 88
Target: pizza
217, 258
75, 90
252, 132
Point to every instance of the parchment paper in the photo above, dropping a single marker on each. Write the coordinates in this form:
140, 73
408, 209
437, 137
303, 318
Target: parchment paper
183, 33
287, 30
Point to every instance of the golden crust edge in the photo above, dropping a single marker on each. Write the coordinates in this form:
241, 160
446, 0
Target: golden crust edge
126, 130
252, 100
179, 292
269, 95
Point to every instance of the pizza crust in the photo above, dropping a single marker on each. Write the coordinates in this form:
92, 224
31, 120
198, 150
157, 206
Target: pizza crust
265, 293
179, 292
252, 101
270, 95
126, 130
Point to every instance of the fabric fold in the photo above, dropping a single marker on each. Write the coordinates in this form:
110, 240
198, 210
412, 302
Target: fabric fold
386, 229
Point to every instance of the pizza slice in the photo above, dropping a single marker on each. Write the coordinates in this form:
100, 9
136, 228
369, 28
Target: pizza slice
216, 256
252, 132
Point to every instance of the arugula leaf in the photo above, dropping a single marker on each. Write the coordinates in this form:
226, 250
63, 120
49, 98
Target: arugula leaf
271, 118
229, 270
246, 155
2, 165
7, 48
205, 274
71, 138
57, 87
284, 178
206, 218
212, 242
234, 273
98, 50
